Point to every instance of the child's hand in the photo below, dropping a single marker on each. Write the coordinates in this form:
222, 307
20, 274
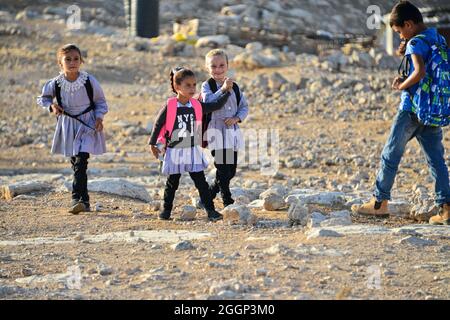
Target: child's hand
56, 109
396, 83
155, 151
227, 85
231, 121
99, 125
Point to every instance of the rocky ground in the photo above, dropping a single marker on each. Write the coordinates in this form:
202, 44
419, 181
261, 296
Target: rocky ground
291, 235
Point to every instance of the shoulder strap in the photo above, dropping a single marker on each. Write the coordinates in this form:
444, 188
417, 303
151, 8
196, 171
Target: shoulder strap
58, 94
90, 91
212, 84
172, 104
87, 85
237, 92
197, 109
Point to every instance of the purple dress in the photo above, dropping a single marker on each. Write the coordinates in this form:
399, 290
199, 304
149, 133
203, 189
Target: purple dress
219, 135
71, 136
183, 151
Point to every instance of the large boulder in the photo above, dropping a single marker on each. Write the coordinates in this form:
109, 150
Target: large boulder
117, 186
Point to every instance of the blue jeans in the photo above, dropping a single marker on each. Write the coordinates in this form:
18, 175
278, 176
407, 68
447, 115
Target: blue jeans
404, 128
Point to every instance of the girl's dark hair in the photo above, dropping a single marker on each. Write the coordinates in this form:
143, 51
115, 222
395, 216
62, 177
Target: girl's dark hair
402, 12
178, 74
67, 48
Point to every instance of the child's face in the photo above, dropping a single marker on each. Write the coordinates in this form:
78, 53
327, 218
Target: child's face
70, 62
217, 67
407, 31
187, 87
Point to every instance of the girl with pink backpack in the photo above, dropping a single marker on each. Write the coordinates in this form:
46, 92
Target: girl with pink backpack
178, 128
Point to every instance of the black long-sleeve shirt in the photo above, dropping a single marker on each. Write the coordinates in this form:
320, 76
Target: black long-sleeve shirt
184, 122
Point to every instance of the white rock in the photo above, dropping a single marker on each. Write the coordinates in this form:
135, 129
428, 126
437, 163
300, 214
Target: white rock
256, 204
213, 41
315, 219
273, 202
23, 187
322, 233
188, 213
338, 218
417, 241
117, 186
261, 272
236, 213
277, 249
298, 213
321, 198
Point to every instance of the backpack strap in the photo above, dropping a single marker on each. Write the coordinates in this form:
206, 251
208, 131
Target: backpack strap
237, 92
58, 94
172, 104
198, 110
90, 91
213, 86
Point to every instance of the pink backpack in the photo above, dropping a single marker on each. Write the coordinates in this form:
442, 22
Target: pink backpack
172, 104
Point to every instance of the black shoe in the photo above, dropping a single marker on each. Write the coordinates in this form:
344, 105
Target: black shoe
164, 215
213, 215
227, 202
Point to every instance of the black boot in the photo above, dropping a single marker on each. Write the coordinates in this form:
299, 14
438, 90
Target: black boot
227, 202
172, 184
165, 214
213, 215
80, 196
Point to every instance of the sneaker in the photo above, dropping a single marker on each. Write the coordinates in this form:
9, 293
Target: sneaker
164, 215
77, 207
372, 208
213, 215
442, 217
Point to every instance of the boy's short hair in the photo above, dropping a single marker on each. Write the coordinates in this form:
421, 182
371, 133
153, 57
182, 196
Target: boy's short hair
216, 52
404, 11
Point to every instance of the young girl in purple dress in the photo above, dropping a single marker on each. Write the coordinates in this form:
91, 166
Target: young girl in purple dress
79, 107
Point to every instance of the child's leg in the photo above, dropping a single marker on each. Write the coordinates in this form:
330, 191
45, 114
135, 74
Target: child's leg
172, 184
430, 139
403, 129
79, 184
205, 196
225, 162
233, 166
202, 187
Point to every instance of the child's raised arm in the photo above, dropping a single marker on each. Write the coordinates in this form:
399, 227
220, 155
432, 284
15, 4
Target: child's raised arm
208, 107
210, 96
